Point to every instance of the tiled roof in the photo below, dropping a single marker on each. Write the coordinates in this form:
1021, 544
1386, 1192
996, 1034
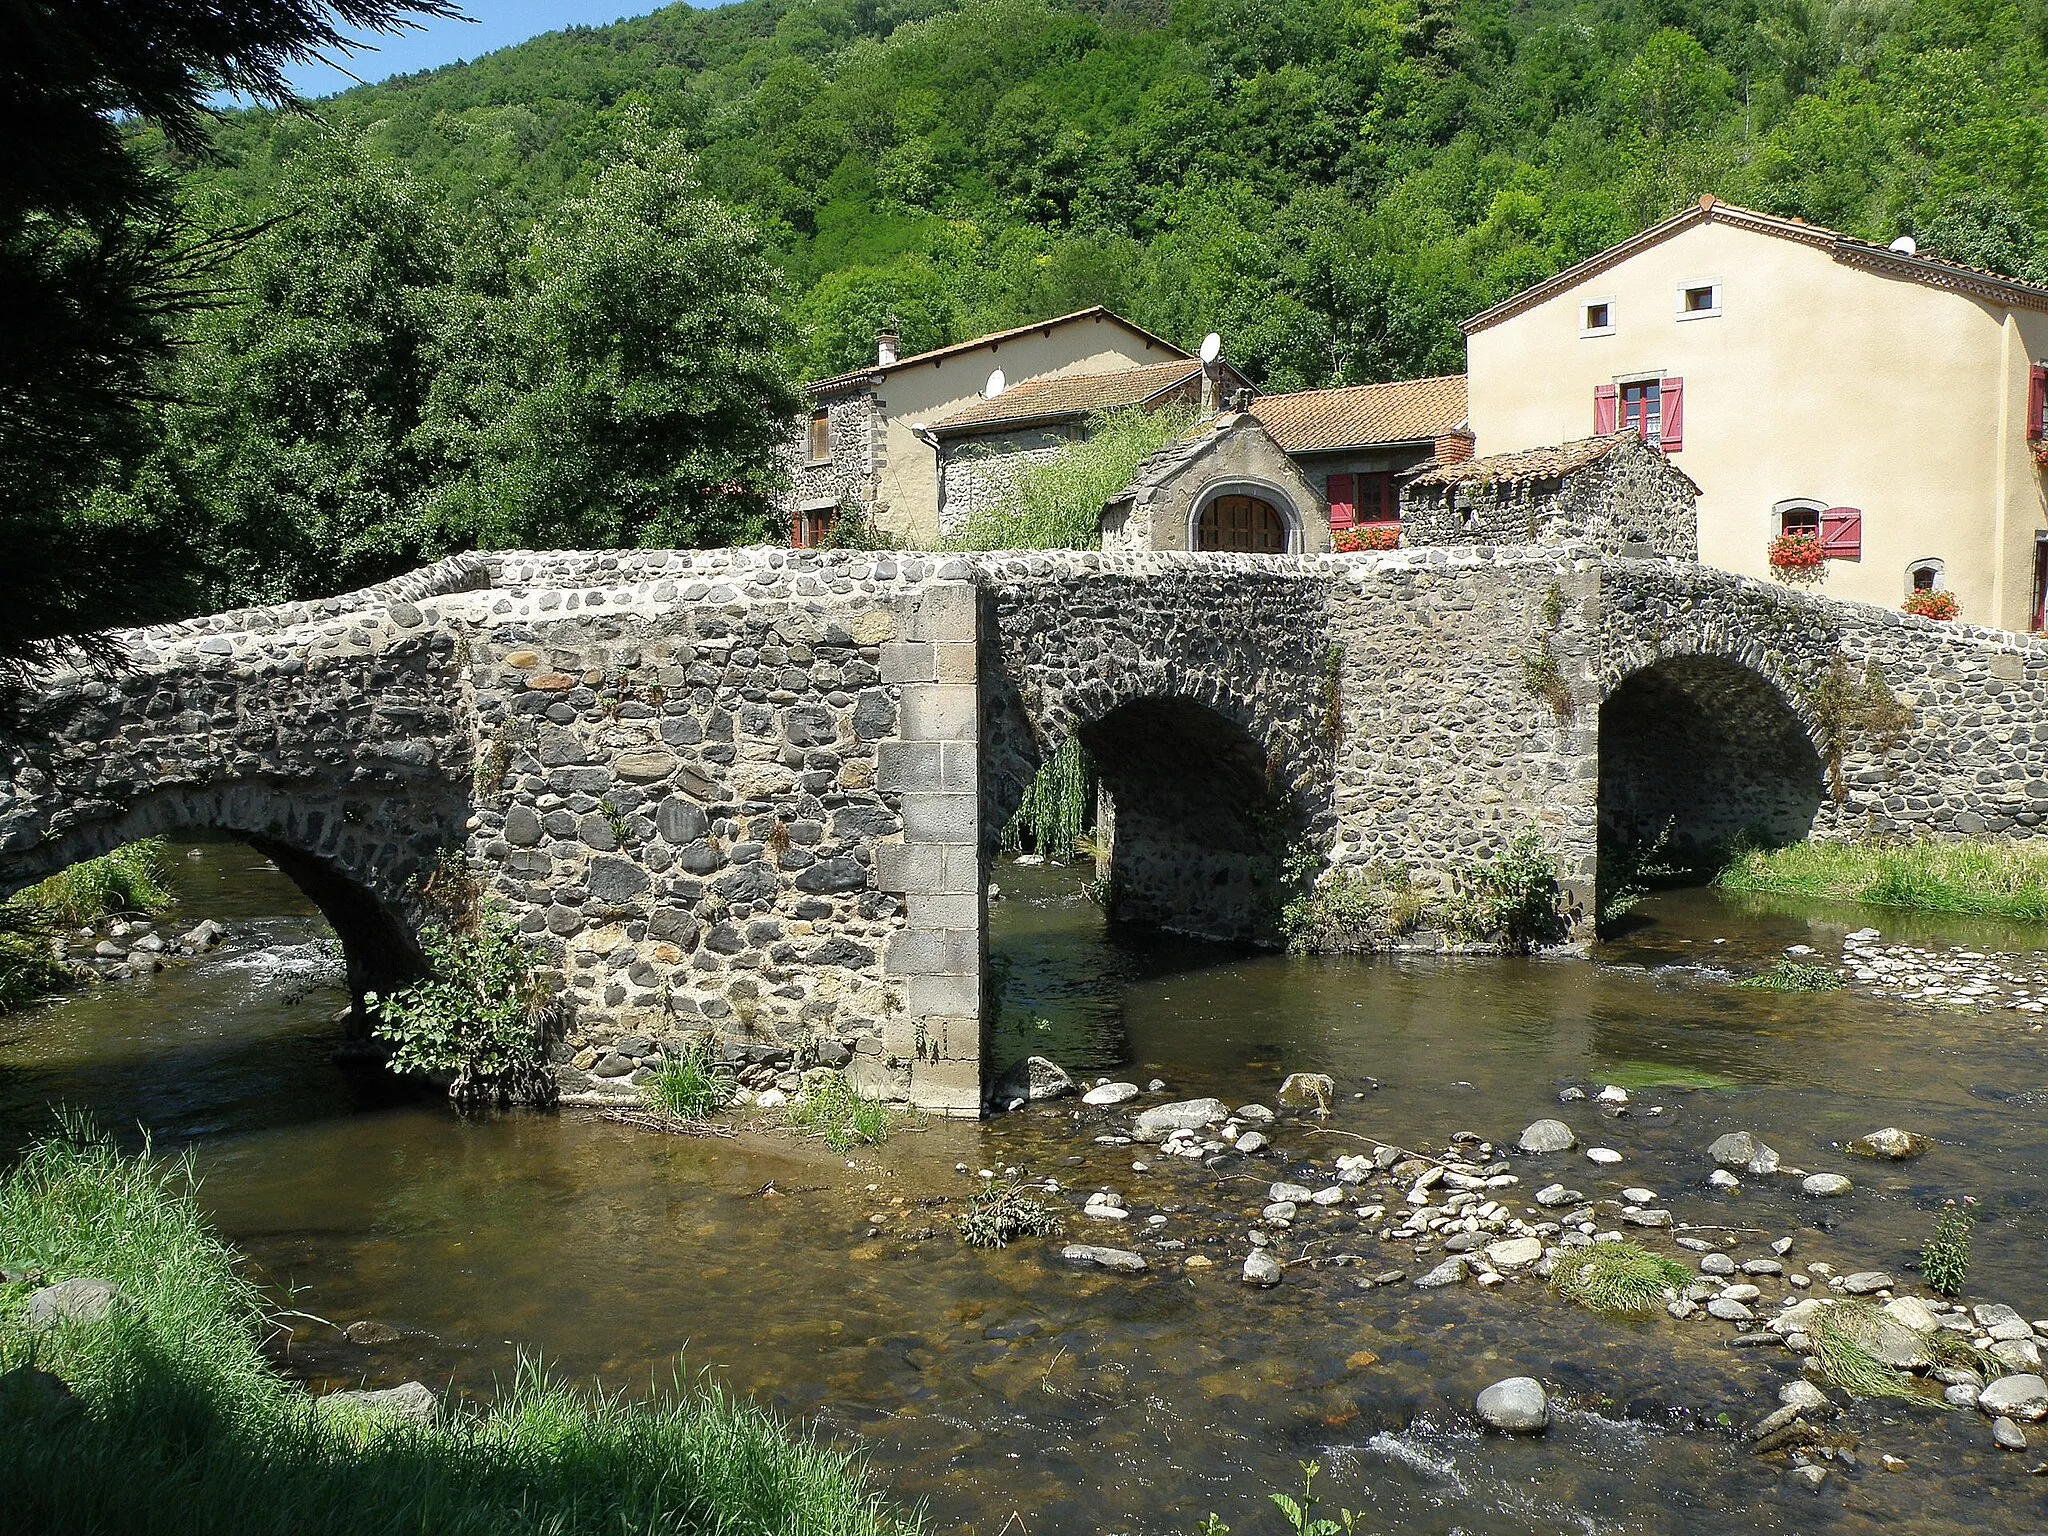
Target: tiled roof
1060, 396
873, 374
1413, 410
1923, 267
1529, 464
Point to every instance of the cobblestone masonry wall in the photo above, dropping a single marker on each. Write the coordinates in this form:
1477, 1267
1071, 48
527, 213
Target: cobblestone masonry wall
751, 792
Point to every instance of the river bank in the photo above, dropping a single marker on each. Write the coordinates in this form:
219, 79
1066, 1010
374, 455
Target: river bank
984, 1383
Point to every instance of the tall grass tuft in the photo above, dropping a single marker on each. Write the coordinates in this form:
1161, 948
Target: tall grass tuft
1058, 504
1976, 877
1847, 1362
1787, 975
831, 1107
686, 1086
186, 1429
134, 881
1620, 1278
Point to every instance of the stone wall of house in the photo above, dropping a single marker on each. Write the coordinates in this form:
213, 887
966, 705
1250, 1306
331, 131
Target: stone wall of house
1234, 454
750, 794
1632, 502
848, 476
975, 474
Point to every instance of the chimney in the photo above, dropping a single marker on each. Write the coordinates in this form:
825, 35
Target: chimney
1454, 447
885, 348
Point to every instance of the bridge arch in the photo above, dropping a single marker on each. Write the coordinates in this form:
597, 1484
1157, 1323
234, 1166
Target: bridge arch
1698, 748
352, 857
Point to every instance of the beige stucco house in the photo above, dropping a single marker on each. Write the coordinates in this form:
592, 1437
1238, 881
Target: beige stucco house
1885, 399
868, 440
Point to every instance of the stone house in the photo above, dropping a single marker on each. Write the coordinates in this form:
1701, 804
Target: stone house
1883, 399
1616, 491
983, 447
1357, 444
864, 440
1226, 486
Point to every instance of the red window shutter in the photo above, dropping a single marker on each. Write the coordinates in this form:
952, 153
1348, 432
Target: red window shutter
2037, 403
1343, 503
1841, 533
1672, 433
1603, 409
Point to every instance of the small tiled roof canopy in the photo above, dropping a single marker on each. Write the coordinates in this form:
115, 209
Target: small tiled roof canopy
1921, 267
1065, 396
1530, 464
1363, 415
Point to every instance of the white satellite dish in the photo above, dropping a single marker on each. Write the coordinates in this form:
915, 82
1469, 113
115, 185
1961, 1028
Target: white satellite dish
994, 386
1212, 347
1906, 245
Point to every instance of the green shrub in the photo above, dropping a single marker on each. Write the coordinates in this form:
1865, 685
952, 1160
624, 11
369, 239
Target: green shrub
1618, 1278
1945, 1256
686, 1086
1789, 975
831, 1108
1514, 897
1003, 1209
1058, 504
129, 882
186, 1428
1353, 910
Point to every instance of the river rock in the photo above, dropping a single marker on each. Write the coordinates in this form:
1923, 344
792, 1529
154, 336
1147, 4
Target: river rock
1032, 1079
1122, 1260
1450, 1272
81, 1300
1888, 1340
204, 935
1185, 1115
1261, 1268
1825, 1186
1892, 1144
1548, 1136
1606, 1157
1515, 1252
1254, 1114
1111, 1093
1552, 1195
413, 1403
2022, 1398
1804, 1397
1297, 1194
1913, 1313
1308, 1090
2010, 1436
1741, 1149
1253, 1141
1279, 1210
369, 1331
1729, 1311
1516, 1406
1866, 1282
1716, 1264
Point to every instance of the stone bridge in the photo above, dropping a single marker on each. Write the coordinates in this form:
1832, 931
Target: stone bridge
756, 792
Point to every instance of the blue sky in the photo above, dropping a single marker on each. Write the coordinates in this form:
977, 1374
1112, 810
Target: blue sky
496, 24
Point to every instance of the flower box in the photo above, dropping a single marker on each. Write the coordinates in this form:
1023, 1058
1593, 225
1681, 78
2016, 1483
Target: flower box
1930, 603
1366, 536
1798, 557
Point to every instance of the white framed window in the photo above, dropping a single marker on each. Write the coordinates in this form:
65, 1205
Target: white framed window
1700, 299
1596, 317
1930, 575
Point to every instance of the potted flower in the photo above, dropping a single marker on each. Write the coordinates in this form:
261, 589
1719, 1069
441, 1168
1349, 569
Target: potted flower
1932, 603
1366, 536
2041, 455
1797, 557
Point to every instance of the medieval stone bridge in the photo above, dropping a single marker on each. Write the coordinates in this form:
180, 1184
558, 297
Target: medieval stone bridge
755, 792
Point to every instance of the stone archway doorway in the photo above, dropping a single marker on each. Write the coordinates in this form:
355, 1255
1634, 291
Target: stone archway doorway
1242, 524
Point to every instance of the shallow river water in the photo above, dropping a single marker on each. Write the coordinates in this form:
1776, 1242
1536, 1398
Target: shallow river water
990, 1384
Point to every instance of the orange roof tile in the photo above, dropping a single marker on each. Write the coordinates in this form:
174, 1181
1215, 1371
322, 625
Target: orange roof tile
1409, 411
1061, 396
1530, 464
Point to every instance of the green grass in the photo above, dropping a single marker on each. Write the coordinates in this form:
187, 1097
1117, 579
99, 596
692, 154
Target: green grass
133, 882
1975, 877
832, 1108
686, 1087
183, 1427
1788, 975
1845, 1360
1620, 1278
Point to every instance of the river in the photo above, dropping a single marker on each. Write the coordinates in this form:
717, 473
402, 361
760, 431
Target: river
986, 1384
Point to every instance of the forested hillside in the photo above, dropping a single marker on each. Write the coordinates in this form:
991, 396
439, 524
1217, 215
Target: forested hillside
564, 294
1330, 184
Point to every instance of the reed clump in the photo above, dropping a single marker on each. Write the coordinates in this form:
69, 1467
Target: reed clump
1975, 877
1618, 1278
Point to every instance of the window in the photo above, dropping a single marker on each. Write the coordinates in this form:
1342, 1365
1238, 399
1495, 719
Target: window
1924, 576
1800, 520
1642, 408
811, 527
1839, 529
821, 437
2037, 403
1699, 301
1246, 524
1597, 319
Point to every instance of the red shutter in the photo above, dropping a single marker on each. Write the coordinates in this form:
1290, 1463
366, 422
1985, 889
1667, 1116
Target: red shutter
1343, 506
1603, 409
1672, 433
1841, 533
2037, 403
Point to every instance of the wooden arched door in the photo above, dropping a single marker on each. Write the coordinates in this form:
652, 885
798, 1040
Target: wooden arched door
1244, 524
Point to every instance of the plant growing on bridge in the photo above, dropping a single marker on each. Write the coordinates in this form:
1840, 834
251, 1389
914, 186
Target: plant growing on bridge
482, 1014
1058, 806
1348, 910
1542, 676
1852, 715
1513, 897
